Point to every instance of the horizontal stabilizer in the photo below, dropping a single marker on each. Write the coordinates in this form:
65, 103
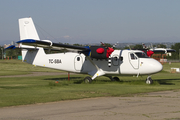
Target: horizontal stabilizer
11, 47
23, 47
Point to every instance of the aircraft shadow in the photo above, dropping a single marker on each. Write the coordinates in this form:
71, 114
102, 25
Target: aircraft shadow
76, 80
63, 78
166, 81
80, 80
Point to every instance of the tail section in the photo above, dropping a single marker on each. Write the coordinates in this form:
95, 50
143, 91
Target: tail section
34, 57
30, 54
27, 29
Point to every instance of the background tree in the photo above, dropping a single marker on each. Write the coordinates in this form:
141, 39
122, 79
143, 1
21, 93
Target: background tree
128, 47
107, 45
1, 50
135, 47
138, 46
77, 44
175, 55
161, 46
13, 53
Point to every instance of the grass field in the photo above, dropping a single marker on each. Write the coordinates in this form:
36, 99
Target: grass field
40, 89
17, 67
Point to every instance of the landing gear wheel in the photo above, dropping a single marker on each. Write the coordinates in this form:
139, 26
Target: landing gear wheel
87, 80
149, 80
116, 79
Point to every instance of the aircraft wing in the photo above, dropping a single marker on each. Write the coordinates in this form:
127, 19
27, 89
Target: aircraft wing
98, 52
160, 50
47, 44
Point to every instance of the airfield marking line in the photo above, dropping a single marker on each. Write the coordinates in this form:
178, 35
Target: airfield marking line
150, 106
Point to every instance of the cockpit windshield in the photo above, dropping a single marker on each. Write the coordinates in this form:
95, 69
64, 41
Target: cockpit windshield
141, 55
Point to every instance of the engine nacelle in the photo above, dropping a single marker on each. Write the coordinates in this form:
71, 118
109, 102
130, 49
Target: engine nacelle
100, 52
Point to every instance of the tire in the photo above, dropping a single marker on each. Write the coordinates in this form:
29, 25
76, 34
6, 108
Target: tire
116, 79
87, 80
149, 81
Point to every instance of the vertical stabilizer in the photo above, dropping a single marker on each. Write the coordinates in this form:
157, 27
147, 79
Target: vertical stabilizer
27, 29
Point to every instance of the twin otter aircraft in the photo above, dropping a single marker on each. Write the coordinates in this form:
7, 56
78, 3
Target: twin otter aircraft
95, 60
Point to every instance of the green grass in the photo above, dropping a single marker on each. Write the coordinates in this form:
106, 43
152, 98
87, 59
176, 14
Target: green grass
17, 67
41, 89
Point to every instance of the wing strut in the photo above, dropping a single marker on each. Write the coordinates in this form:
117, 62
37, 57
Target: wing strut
96, 73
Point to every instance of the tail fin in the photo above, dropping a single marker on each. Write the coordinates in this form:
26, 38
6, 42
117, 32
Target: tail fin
27, 29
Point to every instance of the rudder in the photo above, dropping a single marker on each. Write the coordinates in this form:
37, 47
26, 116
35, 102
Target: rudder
27, 29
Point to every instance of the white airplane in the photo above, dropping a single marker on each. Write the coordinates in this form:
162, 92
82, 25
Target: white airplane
95, 60
152, 50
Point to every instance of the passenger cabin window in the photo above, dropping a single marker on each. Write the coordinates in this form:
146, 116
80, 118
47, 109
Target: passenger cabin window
78, 58
141, 55
133, 57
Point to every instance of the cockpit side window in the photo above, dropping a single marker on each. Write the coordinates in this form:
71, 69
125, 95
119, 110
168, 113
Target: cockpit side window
133, 57
121, 58
141, 55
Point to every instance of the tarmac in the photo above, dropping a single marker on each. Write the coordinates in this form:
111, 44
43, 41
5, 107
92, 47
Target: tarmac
164, 105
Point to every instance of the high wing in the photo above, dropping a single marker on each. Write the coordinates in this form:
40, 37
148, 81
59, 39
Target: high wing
32, 44
92, 51
162, 50
47, 44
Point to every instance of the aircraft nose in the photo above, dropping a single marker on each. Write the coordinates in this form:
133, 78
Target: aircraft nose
150, 66
156, 66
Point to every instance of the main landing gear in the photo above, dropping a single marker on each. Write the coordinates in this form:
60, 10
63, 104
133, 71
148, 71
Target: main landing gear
149, 80
114, 78
87, 79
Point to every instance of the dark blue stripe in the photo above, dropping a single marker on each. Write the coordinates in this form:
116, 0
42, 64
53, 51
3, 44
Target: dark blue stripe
87, 52
11, 47
27, 41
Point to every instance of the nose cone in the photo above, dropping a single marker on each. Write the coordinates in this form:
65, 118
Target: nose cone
155, 66
150, 66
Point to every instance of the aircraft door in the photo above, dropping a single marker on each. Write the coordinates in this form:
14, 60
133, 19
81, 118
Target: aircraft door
78, 63
134, 61
115, 60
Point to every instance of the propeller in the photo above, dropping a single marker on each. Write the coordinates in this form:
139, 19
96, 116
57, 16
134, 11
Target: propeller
148, 52
109, 50
115, 45
104, 45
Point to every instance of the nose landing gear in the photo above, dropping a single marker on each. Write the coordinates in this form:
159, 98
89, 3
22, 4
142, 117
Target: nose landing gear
149, 80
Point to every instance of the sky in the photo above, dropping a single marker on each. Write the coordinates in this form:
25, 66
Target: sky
93, 21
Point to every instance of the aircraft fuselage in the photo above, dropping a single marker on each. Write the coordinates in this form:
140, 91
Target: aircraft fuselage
123, 62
